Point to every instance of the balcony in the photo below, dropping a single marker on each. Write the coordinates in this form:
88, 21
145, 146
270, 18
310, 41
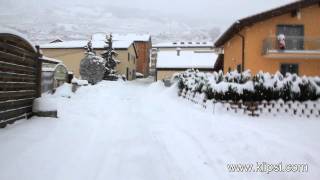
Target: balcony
297, 47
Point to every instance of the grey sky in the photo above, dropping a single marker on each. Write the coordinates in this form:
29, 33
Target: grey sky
222, 11
44, 20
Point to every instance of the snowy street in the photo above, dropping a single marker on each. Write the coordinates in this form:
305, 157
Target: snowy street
142, 131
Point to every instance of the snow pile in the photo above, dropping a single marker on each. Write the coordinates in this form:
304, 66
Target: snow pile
79, 82
186, 59
64, 91
44, 104
134, 131
242, 86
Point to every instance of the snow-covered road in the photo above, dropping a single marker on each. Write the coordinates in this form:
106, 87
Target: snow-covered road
138, 131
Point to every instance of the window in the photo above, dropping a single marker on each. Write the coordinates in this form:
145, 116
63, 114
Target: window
289, 68
294, 36
128, 56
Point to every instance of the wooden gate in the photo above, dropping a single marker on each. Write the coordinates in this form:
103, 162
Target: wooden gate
20, 78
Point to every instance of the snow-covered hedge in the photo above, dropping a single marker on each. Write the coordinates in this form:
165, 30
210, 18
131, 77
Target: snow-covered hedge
243, 86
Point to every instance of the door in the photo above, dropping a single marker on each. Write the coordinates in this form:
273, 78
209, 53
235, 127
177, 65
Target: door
294, 36
127, 74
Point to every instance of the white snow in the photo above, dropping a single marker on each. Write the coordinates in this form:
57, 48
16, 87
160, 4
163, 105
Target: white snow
186, 59
183, 44
79, 82
137, 131
44, 104
53, 60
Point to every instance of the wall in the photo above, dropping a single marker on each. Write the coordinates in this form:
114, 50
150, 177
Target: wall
143, 52
127, 63
232, 53
255, 34
166, 74
70, 57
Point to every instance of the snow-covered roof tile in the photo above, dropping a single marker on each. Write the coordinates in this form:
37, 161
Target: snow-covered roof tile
183, 44
53, 60
186, 59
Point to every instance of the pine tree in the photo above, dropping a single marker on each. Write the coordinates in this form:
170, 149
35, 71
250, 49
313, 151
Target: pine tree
109, 57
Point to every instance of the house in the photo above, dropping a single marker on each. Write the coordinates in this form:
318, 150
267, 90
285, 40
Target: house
284, 39
172, 62
172, 46
72, 52
20, 76
143, 45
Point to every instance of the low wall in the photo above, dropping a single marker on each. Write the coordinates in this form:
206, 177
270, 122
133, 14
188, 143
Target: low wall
308, 109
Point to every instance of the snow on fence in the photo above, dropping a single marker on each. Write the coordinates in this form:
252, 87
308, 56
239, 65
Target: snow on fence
308, 109
20, 77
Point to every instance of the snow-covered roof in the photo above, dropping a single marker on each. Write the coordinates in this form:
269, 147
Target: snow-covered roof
99, 44
96, 44
123, 37
4, 30
66, 44
186, 59
55, 61
183, 44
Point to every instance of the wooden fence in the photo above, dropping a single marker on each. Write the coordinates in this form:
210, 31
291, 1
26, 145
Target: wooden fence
20, 78
308, 109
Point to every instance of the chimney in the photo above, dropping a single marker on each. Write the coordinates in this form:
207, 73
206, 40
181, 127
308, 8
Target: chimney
178, 51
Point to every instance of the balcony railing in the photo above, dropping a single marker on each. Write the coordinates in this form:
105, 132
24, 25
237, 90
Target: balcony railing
296, 46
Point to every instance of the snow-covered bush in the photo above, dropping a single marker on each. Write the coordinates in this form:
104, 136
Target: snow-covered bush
92, 68
242, 86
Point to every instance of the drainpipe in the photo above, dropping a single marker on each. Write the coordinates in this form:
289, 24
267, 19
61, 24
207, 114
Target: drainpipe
243, 47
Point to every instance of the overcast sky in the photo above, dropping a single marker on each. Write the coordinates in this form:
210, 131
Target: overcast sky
223, 11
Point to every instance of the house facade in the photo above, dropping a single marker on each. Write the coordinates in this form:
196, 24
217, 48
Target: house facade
72, 52
255, 42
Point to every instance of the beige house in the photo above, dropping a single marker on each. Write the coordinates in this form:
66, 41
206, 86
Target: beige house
72, 52
182, 45
172, 62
